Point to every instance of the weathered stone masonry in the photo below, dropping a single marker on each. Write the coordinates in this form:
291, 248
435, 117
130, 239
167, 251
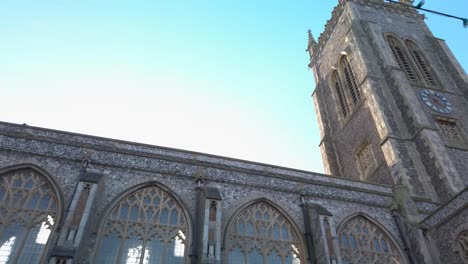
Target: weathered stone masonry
120, 166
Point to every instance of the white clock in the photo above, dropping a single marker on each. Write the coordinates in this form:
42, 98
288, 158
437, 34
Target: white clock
436, 101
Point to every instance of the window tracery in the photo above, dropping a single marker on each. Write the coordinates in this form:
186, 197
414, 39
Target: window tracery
147, 226
451, 132
260, 234
28, 211
361, 241
366, 160
463, 244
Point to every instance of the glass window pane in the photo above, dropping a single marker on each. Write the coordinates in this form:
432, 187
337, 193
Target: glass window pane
236, 257
45, 203
241, 228
173, 254
109, 249
254, 257
153, 253
384, 246
284, 231
250, 229
274, 259
164, 216
10, 241
123, 212
35, 244
352, 242
276, 232
292, 259
174, 218
134, 213
132, 251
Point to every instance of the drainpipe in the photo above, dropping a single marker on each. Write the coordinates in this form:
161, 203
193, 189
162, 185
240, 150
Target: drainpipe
308, 230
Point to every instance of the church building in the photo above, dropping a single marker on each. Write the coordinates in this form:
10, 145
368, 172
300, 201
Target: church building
392, 107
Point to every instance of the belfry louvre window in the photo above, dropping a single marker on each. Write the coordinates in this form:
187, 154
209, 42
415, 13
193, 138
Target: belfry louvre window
340, 93
147, 226
350, 80
261, 234
28, 211
421, 63
401, 58
361, 241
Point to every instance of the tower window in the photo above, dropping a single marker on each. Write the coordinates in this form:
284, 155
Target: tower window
366, 161
401, 58
343, 83
451, 132
350, 80
421, 63
340, 93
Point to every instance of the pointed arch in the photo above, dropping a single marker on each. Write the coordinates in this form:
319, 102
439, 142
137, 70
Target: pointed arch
462, 241
402, 58
145, 224
421, 63
338, 87
30, 209
364, 240
261, 232
350, 79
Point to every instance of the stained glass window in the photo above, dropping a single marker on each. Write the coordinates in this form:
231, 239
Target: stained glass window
147, 226
361, 241
28, 209
261, 234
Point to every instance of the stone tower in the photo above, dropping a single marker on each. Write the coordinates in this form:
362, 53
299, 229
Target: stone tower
391, 100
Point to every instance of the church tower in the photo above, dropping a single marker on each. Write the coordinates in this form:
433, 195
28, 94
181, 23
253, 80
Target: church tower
391, 100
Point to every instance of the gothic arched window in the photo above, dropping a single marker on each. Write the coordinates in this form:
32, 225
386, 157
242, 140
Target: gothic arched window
361, 241
261, 234
402, 59
463, 244
147, 226
421, 63
348, 75
340, 93
28, 212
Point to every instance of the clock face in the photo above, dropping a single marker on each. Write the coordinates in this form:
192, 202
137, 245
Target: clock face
436, 101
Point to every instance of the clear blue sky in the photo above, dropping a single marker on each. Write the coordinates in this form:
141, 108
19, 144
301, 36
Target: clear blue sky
222, 77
